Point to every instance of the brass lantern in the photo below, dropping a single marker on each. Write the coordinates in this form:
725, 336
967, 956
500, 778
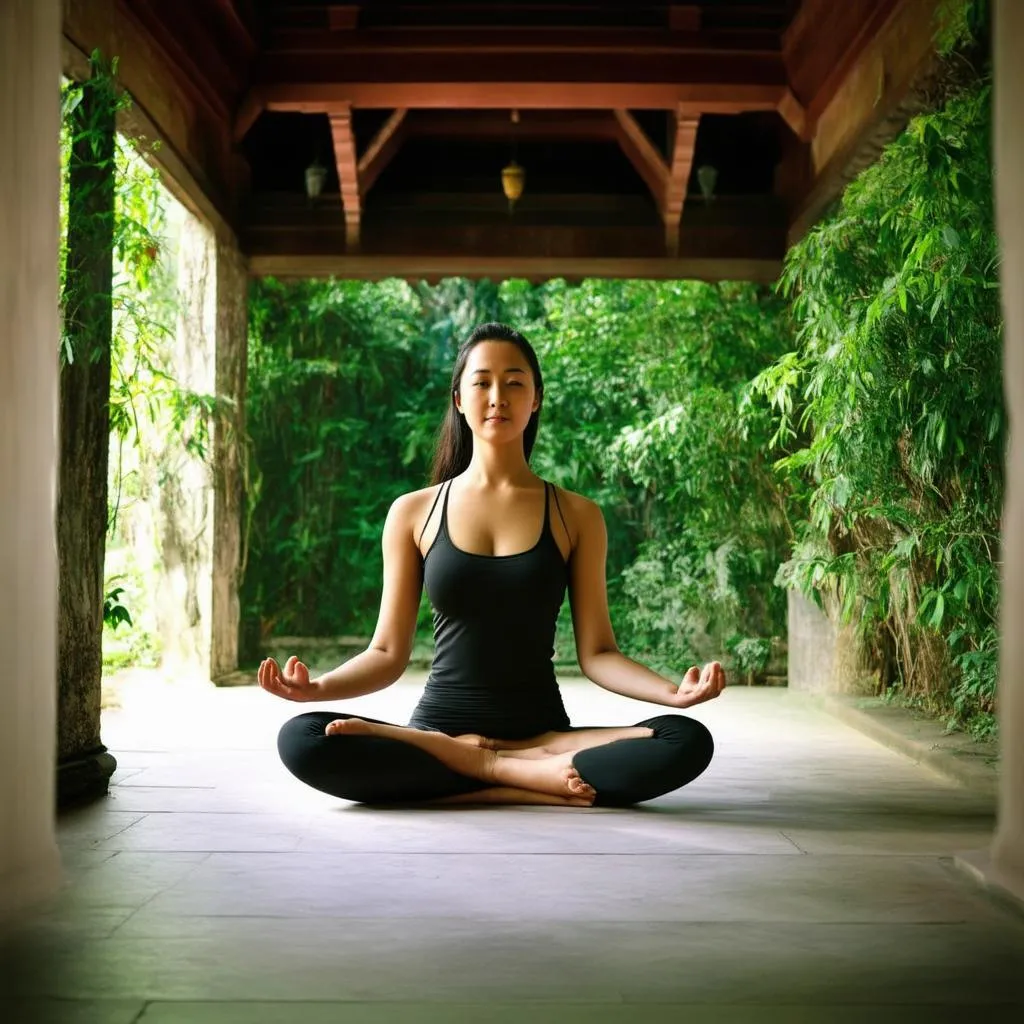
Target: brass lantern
513, 180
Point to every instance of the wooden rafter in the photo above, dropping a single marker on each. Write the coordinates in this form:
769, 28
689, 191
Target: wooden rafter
695, 97
666, 180
642, 154
685, 40
348, 174
382, 148
253, 104
685, 139
793, 112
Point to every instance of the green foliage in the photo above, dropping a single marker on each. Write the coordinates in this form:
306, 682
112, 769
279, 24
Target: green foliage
644, 412
114, 611
341, 412
890, 412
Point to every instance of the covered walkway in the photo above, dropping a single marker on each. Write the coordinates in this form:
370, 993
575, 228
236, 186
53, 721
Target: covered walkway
808, 876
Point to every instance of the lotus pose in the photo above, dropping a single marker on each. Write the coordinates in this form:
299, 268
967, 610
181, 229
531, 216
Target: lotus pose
496, 547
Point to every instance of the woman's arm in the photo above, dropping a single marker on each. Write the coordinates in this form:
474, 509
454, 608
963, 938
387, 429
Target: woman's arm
598, 654
387, 655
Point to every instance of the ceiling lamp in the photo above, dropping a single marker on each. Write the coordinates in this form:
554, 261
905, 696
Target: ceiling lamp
513, 177
707, 177
316, 175
513, 180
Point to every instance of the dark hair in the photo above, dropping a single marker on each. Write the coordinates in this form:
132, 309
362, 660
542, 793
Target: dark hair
454, 446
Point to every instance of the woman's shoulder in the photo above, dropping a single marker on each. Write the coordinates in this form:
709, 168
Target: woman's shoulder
412, 503
578, 503
581, 515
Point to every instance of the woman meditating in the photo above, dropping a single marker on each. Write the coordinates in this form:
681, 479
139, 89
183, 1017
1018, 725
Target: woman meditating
496, 547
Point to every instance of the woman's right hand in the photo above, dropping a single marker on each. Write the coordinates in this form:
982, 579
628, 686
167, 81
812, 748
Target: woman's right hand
292, 682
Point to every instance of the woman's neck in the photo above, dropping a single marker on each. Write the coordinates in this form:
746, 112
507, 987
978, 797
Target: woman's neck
498, 466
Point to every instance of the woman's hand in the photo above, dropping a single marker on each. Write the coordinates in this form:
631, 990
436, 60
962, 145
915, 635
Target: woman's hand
699, 685
292, 682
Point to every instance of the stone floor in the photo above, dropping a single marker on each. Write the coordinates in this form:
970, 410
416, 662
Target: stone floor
806, 877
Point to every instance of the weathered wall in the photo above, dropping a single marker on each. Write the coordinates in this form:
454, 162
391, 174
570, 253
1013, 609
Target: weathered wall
1008, 847
229, 433
184, 491
29, 167
823, 657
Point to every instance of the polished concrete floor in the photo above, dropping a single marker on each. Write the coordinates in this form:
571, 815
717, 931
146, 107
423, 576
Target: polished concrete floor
806, 877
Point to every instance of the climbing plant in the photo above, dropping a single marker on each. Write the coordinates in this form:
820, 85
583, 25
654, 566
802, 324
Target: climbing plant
890, 412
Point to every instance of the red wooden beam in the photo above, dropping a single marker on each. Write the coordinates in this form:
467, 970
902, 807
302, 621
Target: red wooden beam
384, 41
679, 174
324, 97
253, 104
642, 154
382, 148
348, 174
794, 113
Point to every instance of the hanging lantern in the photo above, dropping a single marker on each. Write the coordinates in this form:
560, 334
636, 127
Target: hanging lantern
707, 177
316, 175
513, 180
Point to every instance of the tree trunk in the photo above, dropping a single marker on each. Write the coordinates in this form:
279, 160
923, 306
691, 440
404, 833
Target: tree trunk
84, 766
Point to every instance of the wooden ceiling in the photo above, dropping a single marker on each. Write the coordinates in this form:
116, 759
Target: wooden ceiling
415, 108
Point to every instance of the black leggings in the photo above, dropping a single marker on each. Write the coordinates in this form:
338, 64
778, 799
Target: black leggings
380, 770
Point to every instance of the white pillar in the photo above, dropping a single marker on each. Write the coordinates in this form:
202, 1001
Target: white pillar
29, 190
1008, 38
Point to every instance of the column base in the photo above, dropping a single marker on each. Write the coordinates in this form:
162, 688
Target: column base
1006, 887
84, 777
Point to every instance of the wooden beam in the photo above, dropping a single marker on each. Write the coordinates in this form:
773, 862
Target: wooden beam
684, 18
793, 112
535, 268
824, 43
687, 41
253, 104
692, 97
679, 174
642, 154
343, 17
348, 174
384, 145
870, 107
161, 110
667, 181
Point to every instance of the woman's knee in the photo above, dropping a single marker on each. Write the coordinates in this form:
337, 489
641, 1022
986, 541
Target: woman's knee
692, 742
299, 740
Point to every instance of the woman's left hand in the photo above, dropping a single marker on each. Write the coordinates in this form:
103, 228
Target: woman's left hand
699, 685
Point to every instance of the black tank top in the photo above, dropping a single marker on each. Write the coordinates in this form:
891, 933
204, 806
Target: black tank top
494, 637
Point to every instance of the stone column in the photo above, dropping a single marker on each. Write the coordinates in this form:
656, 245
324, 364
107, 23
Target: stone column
1008, 37
228, 455
29, 188
185, 517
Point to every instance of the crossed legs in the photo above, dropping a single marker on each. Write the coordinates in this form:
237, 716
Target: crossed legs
614, 767
542, 765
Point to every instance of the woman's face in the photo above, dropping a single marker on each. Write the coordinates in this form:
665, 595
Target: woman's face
496, 391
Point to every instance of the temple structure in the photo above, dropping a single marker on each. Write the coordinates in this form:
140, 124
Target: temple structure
423, 140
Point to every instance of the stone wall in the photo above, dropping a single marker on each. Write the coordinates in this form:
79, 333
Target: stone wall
228, 455
182, 481
823, 657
